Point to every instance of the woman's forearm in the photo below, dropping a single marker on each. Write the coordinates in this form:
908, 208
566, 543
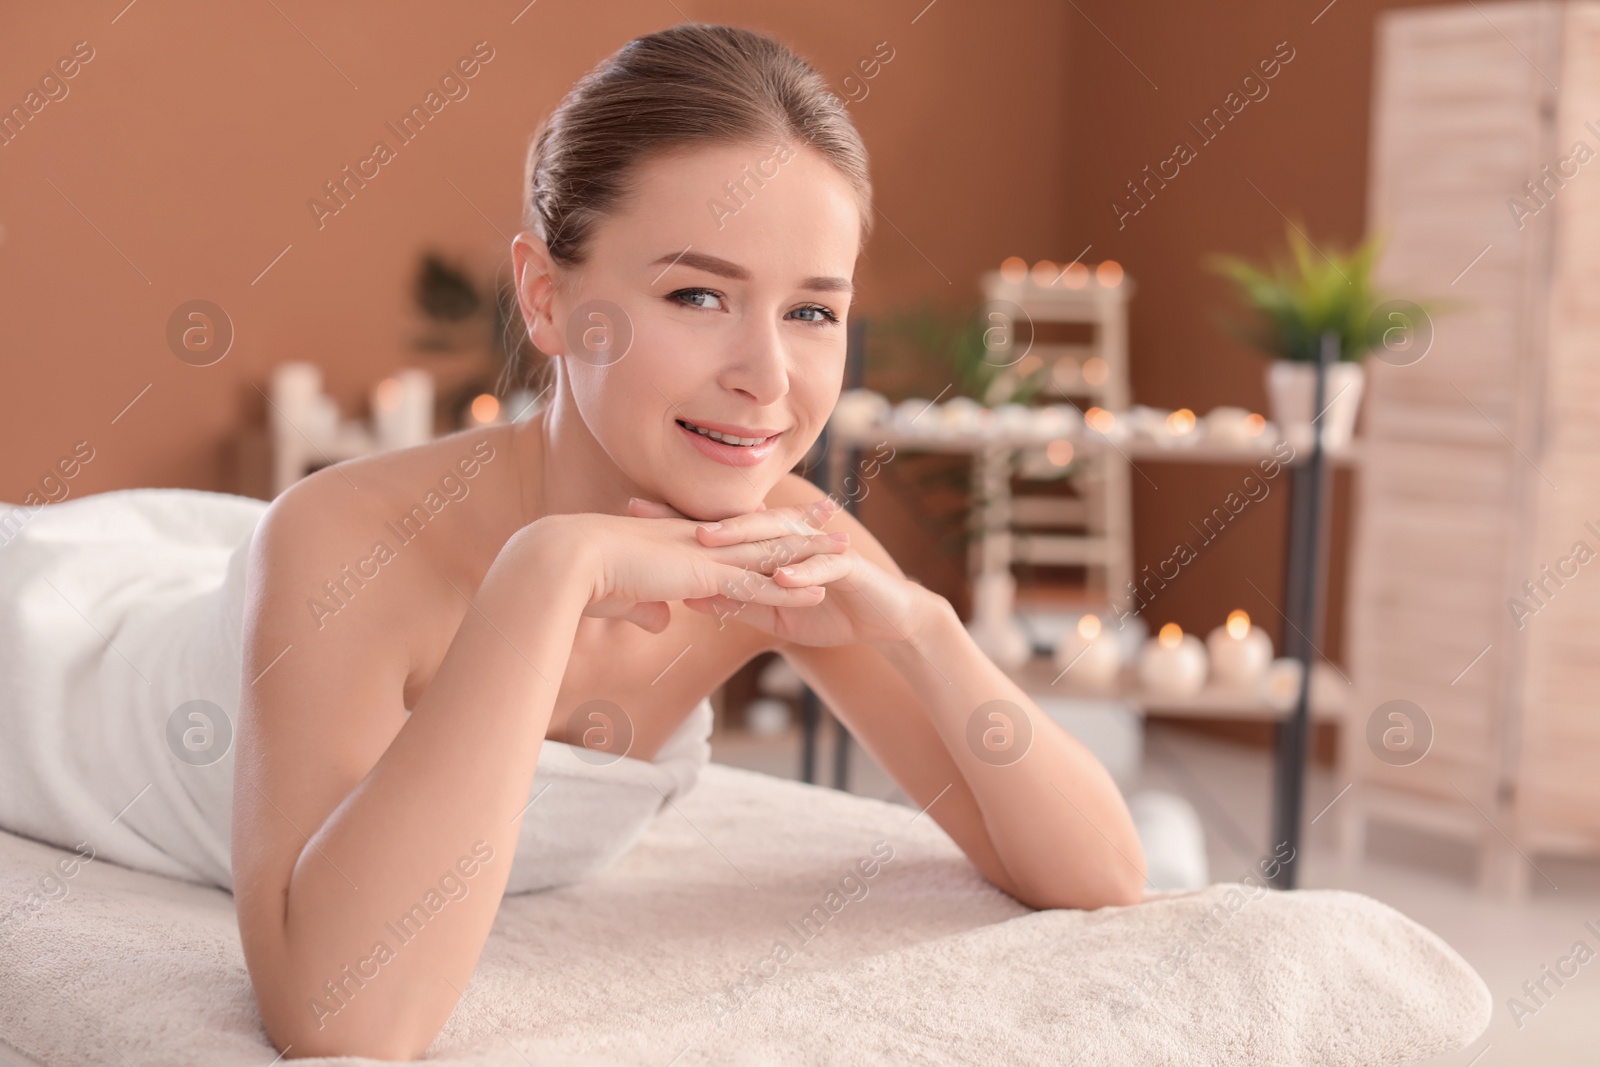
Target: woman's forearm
446, 794
1054, 815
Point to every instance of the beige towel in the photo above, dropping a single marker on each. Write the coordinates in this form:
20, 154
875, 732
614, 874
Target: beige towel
762, 921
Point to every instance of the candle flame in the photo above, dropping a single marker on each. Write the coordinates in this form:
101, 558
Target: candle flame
1099, 419
1181, 421
1044, 272
1089, 627
1171, 635
1014, 269
388, 394
1255, 424
1059, 451
484, 408
1238, 624
1109, 273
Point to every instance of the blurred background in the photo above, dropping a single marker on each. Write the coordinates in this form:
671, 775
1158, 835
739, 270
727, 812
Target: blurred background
211, 283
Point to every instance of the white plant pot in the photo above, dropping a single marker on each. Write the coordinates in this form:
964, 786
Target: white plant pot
1291, 395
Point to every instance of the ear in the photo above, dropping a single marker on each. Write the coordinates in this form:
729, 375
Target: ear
536, 291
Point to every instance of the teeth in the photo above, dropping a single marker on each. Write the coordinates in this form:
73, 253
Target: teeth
727, 439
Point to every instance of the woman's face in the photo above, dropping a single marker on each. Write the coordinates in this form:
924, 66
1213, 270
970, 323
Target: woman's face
714, 299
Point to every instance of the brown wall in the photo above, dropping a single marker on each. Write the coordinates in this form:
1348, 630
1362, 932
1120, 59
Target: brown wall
1304, 146
181, 164
189, 146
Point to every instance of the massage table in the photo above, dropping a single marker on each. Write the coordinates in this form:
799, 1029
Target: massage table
743, 928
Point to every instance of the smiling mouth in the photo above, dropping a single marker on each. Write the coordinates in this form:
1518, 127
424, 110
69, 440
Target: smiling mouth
727, 439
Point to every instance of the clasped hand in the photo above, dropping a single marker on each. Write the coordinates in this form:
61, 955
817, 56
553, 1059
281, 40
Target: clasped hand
774, 569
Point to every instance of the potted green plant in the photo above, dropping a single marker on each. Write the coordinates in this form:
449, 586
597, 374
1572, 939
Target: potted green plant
1296, 302
958, 345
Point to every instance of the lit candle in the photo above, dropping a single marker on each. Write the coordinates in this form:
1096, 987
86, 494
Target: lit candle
1089, 656
858, 410
1173, 663
1230, 426
914, 415
1180, 422
417, 403
387, 419
485, 408
959, 414
1280, 685
402, 409
1239, 651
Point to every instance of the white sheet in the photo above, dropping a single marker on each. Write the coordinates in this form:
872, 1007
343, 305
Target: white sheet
659, 960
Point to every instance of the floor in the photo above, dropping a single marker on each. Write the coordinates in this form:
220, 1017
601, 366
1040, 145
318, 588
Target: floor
1425, 878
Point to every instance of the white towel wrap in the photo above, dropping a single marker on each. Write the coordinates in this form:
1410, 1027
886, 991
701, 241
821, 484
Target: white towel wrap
117, 608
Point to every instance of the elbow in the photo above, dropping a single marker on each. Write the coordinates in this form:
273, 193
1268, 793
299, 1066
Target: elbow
306, 1041
1117, 884
1125, 890
1124, 881
317, 1026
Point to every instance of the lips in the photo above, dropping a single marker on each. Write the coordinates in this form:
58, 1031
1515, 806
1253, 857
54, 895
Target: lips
727, 446
729, 434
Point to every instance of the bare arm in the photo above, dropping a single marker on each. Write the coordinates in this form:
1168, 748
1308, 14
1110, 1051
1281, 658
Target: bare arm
1047, 826
1054, 816
341, 960
350, 819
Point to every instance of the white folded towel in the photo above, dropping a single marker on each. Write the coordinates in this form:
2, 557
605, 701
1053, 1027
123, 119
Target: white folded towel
119, 608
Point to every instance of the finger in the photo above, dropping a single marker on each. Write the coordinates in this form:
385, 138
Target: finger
805, 518
761, 616
748, 586
768, 556
815, 571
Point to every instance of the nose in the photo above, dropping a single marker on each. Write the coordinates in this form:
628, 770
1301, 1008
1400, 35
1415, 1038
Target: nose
758, 366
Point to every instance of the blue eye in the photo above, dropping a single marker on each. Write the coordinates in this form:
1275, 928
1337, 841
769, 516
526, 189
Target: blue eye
696, 298
680, 295
830, 317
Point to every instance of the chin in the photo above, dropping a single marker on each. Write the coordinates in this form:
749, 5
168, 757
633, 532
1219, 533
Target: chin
716, 506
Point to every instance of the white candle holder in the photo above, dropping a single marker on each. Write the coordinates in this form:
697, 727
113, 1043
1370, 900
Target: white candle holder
858, 410
1240, 652
1280, 685
1173, 663
1089, 655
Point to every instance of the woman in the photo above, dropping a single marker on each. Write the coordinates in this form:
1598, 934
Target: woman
696, 208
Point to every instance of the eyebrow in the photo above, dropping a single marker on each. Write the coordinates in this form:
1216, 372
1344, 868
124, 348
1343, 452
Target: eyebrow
725, 269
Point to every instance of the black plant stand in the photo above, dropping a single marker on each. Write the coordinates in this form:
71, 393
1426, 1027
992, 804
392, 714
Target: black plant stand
1305, 583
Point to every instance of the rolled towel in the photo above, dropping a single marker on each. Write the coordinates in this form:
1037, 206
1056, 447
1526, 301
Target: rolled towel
1173, 839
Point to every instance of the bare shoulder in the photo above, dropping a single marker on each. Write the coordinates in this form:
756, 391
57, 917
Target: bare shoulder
348, 601
792, 489
394, 497
346, 553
